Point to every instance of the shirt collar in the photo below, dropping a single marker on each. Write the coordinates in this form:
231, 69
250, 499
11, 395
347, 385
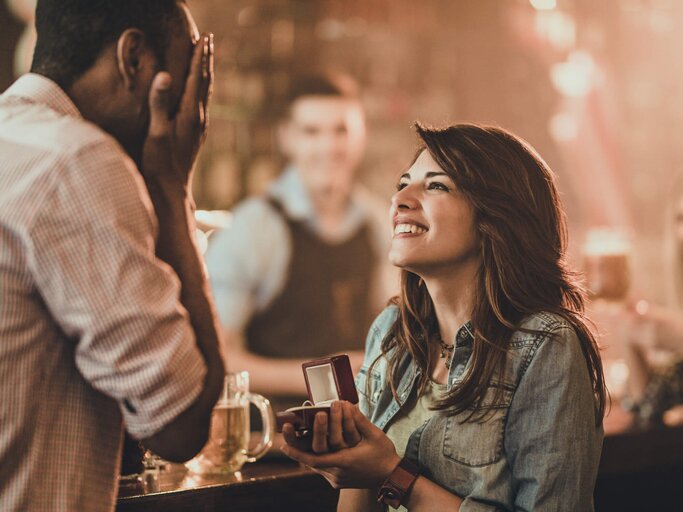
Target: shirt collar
41, 90
291, 192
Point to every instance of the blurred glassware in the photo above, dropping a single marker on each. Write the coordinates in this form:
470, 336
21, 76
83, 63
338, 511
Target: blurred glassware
228, 447
606, 262
131, 480
209, 220
616, 378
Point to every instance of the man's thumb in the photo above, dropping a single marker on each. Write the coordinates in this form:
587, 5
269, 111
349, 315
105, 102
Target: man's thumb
159, 104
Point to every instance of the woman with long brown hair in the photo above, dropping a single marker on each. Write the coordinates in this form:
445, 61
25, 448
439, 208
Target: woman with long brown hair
482, 382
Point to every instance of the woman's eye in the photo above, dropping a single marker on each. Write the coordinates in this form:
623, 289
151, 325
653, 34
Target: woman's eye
401, 185
437, 185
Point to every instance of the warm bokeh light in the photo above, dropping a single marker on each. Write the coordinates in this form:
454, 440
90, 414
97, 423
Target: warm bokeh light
556, 27
543, 5
605, 241
574, 77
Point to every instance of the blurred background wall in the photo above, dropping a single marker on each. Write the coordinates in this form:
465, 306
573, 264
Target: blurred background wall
595, 86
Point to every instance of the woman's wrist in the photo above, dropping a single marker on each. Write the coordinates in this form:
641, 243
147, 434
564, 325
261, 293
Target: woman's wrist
388, 468
397, 486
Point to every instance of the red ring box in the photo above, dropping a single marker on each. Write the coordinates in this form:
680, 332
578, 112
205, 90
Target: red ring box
327, 380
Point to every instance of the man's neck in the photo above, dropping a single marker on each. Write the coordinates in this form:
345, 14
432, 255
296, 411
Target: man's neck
330, 209
96, 108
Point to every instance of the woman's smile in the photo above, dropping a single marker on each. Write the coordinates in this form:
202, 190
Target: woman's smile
404, 227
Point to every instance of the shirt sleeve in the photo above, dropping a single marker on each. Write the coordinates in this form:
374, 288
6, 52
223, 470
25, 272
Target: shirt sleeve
247, 263
551, 439
94, 264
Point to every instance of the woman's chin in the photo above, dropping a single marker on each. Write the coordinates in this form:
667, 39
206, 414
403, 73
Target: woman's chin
397, 260
403, 263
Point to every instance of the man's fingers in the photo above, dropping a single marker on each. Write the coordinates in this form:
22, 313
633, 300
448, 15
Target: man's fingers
351, 435
207, 70
191, 107
319, 444
336, 439
159, 105
207, 84
195, 78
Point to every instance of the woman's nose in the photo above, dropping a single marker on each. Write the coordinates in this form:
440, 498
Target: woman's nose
404, 199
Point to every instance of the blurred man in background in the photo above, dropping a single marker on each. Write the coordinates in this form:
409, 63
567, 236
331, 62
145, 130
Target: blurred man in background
297, 275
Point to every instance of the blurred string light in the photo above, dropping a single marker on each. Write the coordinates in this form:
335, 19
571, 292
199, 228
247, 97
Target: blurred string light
576, 76
607, 241
564, 127
616, 376
543, 5
332, 29
556, 27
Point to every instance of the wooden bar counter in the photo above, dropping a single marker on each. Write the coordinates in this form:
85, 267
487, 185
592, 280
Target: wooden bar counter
267, 485
639, 470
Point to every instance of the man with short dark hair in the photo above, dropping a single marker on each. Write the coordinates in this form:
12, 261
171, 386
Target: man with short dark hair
105, 316
297, 274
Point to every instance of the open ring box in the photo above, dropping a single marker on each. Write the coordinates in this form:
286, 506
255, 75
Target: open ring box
327, 380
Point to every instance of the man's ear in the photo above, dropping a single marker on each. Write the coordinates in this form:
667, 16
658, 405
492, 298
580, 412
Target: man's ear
132, 56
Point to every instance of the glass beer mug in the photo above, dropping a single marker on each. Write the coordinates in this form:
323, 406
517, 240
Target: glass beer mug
227, 449
606, 256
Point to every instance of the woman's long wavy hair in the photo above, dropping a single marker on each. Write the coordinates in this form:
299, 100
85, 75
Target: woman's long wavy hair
523, 268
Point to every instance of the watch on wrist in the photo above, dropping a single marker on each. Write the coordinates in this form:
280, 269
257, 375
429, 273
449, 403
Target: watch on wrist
395, 489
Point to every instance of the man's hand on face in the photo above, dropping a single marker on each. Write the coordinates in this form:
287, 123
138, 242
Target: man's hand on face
172, 144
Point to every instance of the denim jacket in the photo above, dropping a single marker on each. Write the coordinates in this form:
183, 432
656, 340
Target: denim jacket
540, 448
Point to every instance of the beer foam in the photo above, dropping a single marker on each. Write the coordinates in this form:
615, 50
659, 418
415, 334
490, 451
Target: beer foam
606, 241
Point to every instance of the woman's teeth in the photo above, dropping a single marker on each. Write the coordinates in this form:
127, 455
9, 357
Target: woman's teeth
408, 228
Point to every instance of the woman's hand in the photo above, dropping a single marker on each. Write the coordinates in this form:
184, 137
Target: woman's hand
329, 434
366, 464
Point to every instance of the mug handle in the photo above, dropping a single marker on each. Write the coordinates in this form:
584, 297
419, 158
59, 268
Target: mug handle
264, 407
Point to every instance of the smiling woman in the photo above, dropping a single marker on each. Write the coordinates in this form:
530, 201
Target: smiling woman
482, 386
433, 221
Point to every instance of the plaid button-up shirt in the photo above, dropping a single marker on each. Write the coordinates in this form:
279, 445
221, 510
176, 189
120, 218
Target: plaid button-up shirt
92, 333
